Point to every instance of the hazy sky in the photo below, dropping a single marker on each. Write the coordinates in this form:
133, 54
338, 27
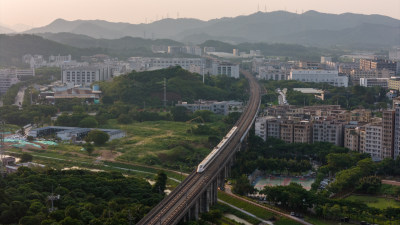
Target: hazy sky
42, 12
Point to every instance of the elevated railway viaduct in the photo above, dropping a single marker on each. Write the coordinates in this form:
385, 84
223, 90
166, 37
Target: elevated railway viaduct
198, 191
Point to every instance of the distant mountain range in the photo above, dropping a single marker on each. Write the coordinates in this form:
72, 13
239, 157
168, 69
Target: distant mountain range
14, 46
4, 29
310, 28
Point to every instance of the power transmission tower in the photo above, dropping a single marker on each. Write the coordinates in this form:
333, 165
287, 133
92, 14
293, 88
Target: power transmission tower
52, 198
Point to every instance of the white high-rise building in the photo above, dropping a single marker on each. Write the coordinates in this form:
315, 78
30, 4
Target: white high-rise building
273, 73
85, 75
373, 140
185, 63
229, 69
7, 79
320, 76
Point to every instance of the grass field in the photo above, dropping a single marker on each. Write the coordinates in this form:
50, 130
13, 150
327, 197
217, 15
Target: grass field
377, 202
255, 210
164, 143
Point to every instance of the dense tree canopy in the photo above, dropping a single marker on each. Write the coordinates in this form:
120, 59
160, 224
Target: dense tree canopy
98, 137
85, 197
348, 98
146, 88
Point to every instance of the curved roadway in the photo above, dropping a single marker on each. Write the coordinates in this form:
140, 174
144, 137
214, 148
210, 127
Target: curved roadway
172, 208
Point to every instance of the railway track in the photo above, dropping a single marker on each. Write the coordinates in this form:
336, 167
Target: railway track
172, 208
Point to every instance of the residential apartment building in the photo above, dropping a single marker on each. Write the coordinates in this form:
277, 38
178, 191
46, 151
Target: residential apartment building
388, 124
328, 131
357, 74
320, 76
394, 53
287, 131
8, 78
260, 127
352, 137
302, 132
396, 150
394, 83
378, 64
373, 140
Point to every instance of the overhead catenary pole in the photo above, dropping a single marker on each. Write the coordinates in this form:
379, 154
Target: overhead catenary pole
165, 93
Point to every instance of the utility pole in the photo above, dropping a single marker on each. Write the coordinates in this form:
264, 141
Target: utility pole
2, 147
203, 73
165, 93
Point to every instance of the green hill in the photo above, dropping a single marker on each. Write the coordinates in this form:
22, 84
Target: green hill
13, 47
147, 87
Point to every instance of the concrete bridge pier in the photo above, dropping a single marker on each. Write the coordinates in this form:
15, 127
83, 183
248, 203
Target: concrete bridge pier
204, 202
194, 211
221, 179
214, 195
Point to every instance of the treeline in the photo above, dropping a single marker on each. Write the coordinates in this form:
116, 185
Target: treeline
37, 114
145, 89
353, 170
345, 171
294, 51
83, 197
42, 76
348, 98
295, 197
275, 156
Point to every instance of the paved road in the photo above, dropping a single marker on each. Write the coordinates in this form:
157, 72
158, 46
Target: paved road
245, 212
271, 210
391, 182
20, 97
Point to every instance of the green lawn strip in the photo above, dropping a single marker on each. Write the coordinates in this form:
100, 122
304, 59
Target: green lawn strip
60, 161
61, 164
171, 174
227, 221
226, 209
255, 210
319, 221
376, 202
286, 221
387, 189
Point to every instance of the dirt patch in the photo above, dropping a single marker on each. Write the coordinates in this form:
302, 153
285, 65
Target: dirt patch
391, 182
108, 155
147, 140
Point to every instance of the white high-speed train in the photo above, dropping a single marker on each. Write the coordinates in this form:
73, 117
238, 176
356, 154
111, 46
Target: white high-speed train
215, 152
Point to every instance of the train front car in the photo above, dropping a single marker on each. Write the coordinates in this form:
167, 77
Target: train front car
214, 153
